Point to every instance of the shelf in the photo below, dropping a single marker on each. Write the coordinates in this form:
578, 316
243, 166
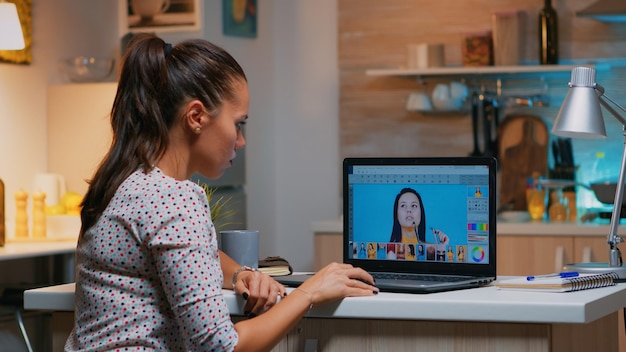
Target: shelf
472, 70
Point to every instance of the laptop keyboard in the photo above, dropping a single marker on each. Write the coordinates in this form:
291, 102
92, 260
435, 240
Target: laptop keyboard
417, 277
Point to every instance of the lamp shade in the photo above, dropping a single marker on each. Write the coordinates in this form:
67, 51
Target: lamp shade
580, 115
11, 36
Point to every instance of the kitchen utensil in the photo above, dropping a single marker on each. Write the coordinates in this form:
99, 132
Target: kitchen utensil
523, 150
475, 112
81, 69
605, 192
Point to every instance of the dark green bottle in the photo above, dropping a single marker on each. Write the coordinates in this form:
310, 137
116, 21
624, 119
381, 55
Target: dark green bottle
2, 228
548, 35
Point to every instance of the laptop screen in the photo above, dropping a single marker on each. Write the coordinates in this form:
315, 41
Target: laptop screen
420, 215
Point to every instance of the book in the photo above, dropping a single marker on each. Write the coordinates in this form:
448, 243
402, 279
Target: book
275, 266
555, 283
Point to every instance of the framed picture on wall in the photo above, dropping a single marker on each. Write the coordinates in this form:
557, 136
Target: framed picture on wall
24, 56
239, 18
159, 16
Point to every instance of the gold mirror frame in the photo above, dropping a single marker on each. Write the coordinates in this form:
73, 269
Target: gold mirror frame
24, 56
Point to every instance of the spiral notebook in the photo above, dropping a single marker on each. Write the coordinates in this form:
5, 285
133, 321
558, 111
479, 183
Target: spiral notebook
557, 284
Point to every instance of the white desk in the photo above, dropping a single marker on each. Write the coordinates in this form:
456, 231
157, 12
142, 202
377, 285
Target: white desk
476, 319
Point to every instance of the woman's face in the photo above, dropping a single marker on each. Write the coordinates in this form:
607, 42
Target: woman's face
409, 210
222, 136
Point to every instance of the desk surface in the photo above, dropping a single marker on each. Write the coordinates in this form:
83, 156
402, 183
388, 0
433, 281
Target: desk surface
480, 304
19, 250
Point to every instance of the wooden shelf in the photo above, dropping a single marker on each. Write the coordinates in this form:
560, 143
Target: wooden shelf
473, 70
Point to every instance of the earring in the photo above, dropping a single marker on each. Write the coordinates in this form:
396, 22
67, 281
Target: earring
197, 130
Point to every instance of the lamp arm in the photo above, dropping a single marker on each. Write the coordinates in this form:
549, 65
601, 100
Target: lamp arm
603, 100
615, 256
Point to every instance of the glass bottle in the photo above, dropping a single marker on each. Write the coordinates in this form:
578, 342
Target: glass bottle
548, 35
557, 211
535, 198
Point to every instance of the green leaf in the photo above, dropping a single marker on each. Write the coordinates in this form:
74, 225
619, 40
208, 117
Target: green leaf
222, 208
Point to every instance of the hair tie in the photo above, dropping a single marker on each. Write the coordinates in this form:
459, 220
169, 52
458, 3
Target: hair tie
168, 48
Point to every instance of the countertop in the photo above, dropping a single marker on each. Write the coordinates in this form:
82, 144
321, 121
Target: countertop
598, 227
31, 248
486, 304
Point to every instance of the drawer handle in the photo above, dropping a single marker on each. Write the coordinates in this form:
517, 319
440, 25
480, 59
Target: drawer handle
586, 254
559, 259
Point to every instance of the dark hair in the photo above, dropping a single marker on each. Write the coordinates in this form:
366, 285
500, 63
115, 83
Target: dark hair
396, 230
156, 79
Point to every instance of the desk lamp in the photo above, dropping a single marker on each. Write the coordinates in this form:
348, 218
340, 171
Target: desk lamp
12, 37
580, 117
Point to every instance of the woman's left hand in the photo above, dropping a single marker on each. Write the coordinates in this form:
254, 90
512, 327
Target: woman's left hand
259, 290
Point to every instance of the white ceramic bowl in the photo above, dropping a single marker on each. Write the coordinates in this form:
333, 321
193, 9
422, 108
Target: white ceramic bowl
81, 69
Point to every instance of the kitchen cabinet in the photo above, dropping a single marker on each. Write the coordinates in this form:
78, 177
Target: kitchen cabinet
531, 254
544, 254
537, 254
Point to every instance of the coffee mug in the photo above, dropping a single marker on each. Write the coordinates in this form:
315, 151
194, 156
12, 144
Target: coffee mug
241, 245
418, 102
149, 8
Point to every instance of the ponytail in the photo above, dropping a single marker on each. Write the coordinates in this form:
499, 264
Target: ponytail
156, 79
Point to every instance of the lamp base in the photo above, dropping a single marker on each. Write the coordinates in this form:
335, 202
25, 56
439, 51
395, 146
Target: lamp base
596, 268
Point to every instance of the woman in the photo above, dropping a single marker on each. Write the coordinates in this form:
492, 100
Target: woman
409, 219
149, 275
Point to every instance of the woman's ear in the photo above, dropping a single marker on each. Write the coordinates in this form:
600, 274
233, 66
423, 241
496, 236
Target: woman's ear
195, 116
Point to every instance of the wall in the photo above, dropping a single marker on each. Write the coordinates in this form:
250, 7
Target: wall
375, 34
292, 132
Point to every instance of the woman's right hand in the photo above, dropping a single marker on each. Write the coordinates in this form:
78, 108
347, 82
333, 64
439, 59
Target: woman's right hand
336, 281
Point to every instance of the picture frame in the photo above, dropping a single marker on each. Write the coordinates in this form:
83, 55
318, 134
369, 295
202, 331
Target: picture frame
23, 56
157, 16
239, 18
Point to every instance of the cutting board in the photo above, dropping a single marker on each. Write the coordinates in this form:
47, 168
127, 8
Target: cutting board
523, 150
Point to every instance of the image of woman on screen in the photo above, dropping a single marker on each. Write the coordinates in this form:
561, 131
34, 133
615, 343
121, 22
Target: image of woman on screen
409, 219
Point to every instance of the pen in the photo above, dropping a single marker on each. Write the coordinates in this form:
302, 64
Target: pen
563, 274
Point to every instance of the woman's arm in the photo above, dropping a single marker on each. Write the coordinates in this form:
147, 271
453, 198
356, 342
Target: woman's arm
229, 266
333, 282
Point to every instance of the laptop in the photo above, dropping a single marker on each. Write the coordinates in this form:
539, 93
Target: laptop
419, 225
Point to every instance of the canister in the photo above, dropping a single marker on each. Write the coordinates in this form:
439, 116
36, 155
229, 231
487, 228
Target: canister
478, 48
506, 37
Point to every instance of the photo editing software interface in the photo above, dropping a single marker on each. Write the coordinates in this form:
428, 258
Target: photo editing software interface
429, 213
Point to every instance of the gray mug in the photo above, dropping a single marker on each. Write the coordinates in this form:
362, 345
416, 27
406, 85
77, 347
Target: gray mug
241, 245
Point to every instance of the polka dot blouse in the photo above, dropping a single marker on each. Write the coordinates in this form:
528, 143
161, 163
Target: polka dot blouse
148, 274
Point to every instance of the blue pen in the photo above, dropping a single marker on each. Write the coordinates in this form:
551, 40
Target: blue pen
564, 274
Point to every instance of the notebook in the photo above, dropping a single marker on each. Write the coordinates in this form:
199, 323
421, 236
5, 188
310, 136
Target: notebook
420, 225
554, 283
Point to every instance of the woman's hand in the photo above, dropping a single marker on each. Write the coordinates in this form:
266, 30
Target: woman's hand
259, 290
440, 237
336, 281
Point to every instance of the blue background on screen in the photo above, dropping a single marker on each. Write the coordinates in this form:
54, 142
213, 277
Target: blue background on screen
445, 206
